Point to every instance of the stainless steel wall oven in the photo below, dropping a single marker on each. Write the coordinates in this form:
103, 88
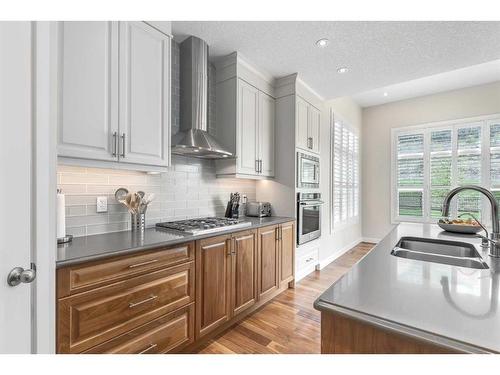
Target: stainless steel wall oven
308, 216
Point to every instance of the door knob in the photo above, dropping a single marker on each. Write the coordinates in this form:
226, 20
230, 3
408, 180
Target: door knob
19, 275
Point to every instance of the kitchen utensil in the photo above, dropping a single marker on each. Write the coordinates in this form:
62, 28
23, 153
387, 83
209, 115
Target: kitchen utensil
138, 221
121, 194
141, 194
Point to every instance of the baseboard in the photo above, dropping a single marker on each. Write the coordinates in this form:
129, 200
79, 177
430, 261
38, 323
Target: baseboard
371, 239
325, 262
304, 272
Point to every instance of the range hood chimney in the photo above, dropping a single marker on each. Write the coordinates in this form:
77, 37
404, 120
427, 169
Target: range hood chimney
193, 138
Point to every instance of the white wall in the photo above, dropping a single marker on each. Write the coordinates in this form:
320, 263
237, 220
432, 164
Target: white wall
332, 244
376, 144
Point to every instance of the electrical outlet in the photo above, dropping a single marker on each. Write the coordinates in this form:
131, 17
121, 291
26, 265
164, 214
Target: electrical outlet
102, 204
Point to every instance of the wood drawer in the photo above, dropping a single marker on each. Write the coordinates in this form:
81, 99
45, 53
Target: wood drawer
90, 318
167, 334
79, 278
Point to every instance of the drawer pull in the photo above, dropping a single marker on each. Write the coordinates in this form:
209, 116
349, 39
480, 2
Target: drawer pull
151, 346
309, 259
143, 263
134, 304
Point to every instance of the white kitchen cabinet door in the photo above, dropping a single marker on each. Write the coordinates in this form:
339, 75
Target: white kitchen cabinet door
314, 129
248, 121
87, 95
144, 95
302, 124
266, 134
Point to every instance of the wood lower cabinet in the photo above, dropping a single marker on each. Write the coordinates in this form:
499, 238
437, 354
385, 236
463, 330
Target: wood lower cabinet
213, 284
167, 334
90, 318
168, 300
244, 269
287, 252
268, 275
80, 278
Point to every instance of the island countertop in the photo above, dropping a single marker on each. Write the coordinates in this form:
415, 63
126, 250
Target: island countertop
100, 246
451, 306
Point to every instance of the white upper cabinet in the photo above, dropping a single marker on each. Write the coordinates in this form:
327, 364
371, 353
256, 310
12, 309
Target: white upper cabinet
245, 121
113, 93
87, 74
144, 94
308, 119
314, 129
302, 123
266, 134
248, 124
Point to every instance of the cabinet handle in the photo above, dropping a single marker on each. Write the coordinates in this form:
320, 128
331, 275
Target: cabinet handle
143, 263
115, 144
257, 165
309, 142
151, 346
229, 247
134, 304
260, 166
123, 145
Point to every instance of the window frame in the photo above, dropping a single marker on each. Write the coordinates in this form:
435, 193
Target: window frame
484, 122
356, 175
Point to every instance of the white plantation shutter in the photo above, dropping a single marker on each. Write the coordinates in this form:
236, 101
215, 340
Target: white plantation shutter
469, 168
494, 143
410, 174
429, 161
345, 180
440, 168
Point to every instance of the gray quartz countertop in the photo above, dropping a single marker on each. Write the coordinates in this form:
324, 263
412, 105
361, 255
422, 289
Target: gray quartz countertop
451, 306
88, 248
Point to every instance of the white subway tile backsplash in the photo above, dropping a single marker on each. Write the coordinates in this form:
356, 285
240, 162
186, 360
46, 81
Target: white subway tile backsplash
178, 195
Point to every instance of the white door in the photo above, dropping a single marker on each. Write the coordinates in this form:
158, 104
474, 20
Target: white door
302, 124
267, 145
248, 118
314, 129
144, 94
87, 55
16, 110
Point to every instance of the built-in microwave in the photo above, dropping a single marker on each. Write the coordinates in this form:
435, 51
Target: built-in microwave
307, 171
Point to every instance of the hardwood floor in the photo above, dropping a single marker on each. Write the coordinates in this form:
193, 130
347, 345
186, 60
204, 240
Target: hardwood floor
289, 323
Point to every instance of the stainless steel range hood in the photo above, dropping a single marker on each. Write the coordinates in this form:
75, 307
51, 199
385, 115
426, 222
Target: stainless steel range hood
193, 138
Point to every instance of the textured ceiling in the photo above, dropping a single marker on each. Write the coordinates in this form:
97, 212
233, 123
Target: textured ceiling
377, 54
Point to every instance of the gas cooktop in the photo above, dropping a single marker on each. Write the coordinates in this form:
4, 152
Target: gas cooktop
203, 225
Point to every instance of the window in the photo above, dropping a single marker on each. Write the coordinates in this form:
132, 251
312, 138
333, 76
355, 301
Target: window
430, 160
345, 174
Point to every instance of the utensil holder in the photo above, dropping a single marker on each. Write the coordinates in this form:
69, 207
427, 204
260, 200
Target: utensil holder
138, 222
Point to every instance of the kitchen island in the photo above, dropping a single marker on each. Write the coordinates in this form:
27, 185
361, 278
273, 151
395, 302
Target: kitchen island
387, 304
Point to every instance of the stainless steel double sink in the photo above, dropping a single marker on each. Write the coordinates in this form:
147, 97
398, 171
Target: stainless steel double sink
453, 253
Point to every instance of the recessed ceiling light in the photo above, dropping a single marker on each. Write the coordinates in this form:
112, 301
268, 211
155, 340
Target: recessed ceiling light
386, 94
322, 43
342, 70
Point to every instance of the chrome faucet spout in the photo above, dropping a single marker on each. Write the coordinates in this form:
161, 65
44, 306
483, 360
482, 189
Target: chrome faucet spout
495, 225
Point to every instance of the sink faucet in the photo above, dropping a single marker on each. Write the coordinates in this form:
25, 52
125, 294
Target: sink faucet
495, 225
